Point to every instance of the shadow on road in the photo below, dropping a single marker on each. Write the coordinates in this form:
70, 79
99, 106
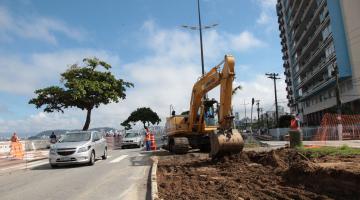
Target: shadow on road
61, 166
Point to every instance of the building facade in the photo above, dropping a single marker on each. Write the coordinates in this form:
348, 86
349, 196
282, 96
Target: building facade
320, 38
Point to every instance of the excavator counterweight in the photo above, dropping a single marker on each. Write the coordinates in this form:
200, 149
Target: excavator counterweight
209, 124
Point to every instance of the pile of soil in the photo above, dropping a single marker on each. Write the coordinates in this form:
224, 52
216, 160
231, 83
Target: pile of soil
278, 174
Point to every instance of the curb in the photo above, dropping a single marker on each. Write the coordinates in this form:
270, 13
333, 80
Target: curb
154, 188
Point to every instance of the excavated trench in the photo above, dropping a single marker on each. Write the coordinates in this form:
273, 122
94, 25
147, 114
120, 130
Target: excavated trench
279, 174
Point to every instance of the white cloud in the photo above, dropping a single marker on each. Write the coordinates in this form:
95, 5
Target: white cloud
39, 28
261, 88
163, 77
20, 75
267, 15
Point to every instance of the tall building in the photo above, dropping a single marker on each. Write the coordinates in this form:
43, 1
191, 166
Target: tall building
318, 36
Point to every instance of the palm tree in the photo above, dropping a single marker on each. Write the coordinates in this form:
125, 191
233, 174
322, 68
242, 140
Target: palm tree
239, 87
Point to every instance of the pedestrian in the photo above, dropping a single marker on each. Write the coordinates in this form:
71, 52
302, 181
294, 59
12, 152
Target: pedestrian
53, 139
147, 139
14, 138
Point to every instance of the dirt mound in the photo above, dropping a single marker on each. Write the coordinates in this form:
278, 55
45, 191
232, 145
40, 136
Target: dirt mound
280, 174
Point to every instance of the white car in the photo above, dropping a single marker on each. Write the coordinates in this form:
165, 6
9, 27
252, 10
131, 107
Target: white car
131, 139
78, 147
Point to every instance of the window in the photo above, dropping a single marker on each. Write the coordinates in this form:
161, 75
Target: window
326, 32
297, 68
330, 49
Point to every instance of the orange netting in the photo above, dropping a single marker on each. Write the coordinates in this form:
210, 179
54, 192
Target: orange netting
339, 127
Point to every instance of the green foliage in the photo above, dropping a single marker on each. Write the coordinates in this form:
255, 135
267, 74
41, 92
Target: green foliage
321, 151
239, 87
144, 115
84, 87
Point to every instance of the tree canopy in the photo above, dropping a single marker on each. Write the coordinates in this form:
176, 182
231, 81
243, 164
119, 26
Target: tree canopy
144, 115
84, 87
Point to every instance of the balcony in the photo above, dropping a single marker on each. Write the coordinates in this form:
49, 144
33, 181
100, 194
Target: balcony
287, 73
316, 52
321, 66
306, 31
286, 65
318, 87
285, 56
300, 8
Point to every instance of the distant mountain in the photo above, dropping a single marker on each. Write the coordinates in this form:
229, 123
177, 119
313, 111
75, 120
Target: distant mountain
58, 132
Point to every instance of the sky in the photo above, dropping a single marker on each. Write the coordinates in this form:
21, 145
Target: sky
144, 42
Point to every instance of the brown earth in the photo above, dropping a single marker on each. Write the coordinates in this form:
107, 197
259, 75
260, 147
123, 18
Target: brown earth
279, 174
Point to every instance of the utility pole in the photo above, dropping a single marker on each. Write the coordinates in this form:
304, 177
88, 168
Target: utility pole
335, 74
274, 76
258, 109
245, 113
267, 122
251, 121
262, 117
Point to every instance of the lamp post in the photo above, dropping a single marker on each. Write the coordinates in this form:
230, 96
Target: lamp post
200, 28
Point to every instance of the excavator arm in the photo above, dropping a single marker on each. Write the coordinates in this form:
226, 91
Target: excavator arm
209, 81
225, 139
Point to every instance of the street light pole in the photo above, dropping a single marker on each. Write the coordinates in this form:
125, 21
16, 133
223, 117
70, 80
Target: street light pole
200, 28
201, 43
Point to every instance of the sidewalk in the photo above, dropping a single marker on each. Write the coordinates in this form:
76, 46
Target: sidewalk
333, 143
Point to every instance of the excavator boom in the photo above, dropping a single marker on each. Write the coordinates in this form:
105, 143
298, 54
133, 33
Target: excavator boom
223, 138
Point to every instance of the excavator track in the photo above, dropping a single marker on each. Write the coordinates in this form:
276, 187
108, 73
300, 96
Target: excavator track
180, 145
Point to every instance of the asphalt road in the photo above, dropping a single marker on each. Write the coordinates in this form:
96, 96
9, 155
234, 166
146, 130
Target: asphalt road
124, 175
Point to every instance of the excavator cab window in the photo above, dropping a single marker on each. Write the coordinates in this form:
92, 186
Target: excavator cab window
210, 114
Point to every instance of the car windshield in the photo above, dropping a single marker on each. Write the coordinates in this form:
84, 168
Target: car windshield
131, 134
75, 137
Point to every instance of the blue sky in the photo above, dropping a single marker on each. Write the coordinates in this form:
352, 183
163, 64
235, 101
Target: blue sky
143, 41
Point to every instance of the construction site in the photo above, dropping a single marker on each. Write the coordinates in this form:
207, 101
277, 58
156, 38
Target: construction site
277, 174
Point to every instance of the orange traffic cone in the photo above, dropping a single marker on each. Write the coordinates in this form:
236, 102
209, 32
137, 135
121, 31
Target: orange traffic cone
153, 143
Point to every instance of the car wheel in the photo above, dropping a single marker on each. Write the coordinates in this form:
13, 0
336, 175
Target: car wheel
53, 166
105, 154
92, 158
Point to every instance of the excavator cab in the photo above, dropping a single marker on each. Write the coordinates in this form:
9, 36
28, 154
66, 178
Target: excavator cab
211, 112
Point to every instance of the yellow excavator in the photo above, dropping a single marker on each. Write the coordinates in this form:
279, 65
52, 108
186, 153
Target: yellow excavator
208, 125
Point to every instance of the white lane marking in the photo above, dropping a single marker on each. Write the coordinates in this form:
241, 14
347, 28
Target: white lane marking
109, 156
118, 159
36, 164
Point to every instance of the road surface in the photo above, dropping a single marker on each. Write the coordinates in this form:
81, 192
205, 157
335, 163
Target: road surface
124, 175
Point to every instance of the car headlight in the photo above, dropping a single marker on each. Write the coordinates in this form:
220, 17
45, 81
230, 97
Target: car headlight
84, 149
52, 151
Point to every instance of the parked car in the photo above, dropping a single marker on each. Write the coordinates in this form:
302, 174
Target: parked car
78, 147
132, 139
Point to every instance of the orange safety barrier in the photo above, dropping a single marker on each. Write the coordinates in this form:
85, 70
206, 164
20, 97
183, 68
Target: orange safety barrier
153, 143
17, 150
331, 125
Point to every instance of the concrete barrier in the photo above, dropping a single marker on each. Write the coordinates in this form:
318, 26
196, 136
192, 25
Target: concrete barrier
28, 145
154, 185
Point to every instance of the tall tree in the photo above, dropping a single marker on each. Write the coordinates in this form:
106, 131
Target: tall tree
143, 114
84, 87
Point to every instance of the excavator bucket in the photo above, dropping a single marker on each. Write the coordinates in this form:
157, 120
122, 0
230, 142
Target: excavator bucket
224, 143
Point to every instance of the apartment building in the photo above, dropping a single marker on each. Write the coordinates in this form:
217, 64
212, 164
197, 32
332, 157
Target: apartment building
317, 37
